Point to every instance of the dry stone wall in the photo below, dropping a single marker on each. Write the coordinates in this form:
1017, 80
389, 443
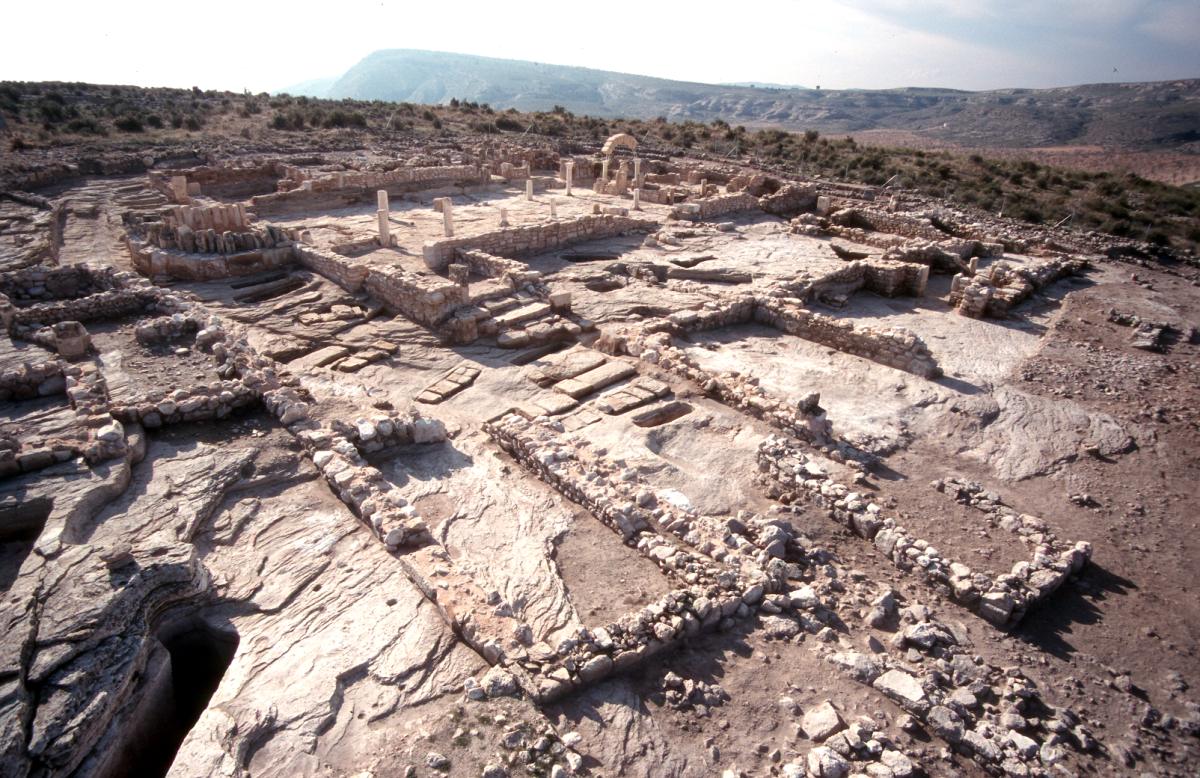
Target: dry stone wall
654, 344
535, 238
425, 298
517, 274
995, 292
347, 272
878, 220
711, 207
894, 347
427, 177
102, 305
45, 284
351, 186
229, 181
163, 263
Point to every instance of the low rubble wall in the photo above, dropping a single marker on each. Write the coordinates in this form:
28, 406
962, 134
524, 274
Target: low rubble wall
535, 238
877, 220
156, 263
720, 583
347, 272
517, 274
353, 186
710, 207
32, 379
1002, 600
893, 347
44, 284
102, 305
996, 292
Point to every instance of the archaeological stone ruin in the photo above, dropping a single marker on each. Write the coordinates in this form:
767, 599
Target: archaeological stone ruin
514, 458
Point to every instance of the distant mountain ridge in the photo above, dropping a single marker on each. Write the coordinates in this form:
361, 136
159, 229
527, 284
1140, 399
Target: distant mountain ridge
1159, 115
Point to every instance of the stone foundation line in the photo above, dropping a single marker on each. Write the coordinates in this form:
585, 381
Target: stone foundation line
956, 697
1002, 600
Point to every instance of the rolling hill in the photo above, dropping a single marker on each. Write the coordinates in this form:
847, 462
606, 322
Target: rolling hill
1143, 116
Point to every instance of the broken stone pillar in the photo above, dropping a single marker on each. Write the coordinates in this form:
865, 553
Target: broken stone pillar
553, 209
922, 281
179, 189
306, 186
447, 217
604, 170
570, 170
637, 199
503, 217
529, 189
71, 340
973, 264
385, 228
703, 187
637, 172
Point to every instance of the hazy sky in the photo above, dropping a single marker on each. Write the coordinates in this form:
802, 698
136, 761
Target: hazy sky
265, 46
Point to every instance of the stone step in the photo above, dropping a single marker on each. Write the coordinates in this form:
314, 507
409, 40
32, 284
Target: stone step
557, 367
523, 314
550, 404
449, 385
319, 358
595, 379
633, 395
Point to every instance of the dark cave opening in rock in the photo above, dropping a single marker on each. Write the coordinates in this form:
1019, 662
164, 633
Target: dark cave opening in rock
21, 522
181, 676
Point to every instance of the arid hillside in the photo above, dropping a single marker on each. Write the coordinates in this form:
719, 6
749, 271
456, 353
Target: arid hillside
49, 125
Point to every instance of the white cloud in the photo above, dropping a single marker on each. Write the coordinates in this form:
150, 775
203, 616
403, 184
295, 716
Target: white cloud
1174, 24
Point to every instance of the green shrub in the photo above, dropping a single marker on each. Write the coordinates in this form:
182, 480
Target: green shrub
129, 123
86, 127
508, 123
339, 119
52, 111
